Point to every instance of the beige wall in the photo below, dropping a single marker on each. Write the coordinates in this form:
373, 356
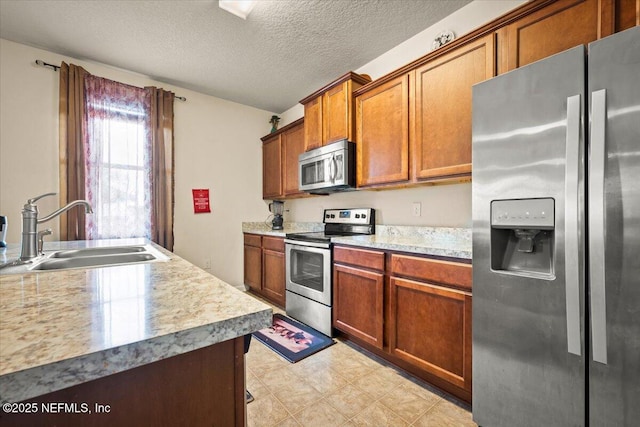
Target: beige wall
444, 205
217, 146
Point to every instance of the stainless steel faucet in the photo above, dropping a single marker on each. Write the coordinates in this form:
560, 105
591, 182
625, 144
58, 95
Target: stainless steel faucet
31, 247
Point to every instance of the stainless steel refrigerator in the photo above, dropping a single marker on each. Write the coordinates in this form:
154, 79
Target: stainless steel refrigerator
556, 240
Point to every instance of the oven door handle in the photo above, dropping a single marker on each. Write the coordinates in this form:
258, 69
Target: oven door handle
308, 246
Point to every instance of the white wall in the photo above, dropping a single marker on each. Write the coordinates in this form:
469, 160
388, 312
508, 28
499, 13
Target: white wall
217, 146
444, 205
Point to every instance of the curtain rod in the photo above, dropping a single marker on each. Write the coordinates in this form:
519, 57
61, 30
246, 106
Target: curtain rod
57, 67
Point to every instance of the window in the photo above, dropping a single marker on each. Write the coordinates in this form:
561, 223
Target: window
117, 160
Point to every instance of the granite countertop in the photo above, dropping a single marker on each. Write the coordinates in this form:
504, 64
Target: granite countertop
436, 241
62, 328
289, 227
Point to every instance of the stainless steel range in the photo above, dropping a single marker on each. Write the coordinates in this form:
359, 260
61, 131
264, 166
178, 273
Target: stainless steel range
308, 262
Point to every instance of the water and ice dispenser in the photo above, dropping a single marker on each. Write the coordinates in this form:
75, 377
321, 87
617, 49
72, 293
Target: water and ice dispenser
522, 236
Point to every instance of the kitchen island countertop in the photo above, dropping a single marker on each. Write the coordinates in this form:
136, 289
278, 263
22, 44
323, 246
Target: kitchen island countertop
62, 328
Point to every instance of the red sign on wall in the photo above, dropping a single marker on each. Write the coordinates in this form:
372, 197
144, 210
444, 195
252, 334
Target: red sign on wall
201, 200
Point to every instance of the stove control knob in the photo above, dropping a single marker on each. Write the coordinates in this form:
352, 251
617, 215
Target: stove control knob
327, 216
357, 215
364, 216
333, 215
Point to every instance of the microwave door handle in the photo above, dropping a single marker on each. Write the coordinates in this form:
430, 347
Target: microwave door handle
333, 168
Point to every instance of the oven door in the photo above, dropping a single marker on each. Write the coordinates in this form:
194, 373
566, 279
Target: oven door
309, 272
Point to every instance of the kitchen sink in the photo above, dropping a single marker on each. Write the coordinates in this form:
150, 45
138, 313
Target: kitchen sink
107, 256
75, 253
92, 261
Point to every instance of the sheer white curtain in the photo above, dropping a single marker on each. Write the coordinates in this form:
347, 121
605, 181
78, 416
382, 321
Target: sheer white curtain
118, 159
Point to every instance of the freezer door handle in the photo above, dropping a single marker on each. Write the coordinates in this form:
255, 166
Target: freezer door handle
597, 224
572, 225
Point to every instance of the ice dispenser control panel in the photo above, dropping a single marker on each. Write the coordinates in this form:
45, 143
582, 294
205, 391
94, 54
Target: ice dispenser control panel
523, 213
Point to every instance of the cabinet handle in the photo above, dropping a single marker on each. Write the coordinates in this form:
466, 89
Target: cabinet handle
597, 235
572, 226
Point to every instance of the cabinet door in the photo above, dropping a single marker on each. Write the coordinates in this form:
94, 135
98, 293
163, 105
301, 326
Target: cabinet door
430, 327
273, 276
358, 303
557, 27
313, 124
382, 133
292, 147
271, 168
337, 114
627, 14
253, 267
443, 109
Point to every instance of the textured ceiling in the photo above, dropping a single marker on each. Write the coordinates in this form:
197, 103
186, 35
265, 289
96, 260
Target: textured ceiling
284, 51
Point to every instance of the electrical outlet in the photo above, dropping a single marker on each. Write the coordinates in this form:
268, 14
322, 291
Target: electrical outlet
207, 264
416, 208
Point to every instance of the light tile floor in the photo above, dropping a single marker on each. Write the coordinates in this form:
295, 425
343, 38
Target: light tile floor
342, 385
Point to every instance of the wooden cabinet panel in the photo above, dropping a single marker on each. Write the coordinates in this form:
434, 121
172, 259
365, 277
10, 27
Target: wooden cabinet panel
382, 133
443, 109
292, 147
264, 267
273, 243
627, 14
273, 275
358, 303
360, 257
337, 117
252, 240
430, 327
280, 152
313, 124
271, 168
432, 270
555, 28
328, 112
202, 387
253, 267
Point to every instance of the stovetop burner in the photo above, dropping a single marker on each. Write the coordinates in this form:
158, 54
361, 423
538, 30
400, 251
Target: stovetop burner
340, 222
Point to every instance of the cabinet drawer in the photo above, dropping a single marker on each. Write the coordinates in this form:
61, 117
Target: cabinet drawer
360, 257
431, 270
273, 243
252, 240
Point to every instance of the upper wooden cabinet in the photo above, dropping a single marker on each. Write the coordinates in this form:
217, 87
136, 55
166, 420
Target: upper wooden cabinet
328, 112
442, 145
272, 167
557, 27
280, 151
423, 115
382, 133
292, 147
413, 125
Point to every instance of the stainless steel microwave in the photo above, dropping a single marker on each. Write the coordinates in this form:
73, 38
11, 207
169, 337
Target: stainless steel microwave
328, 169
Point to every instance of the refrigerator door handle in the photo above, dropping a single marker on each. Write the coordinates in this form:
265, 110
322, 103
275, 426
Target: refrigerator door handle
572, 226
597, 235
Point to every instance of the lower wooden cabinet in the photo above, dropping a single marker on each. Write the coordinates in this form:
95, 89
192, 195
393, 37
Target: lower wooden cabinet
264, 267
413, 310
357, 303
430, 327
253, 261
273, 276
